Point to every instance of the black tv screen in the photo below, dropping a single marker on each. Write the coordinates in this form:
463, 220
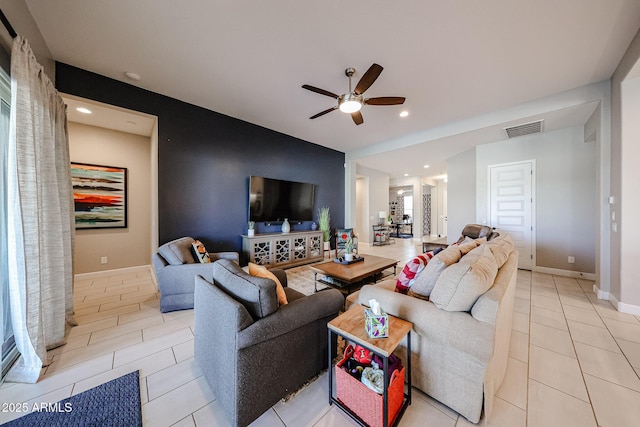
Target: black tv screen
273, 200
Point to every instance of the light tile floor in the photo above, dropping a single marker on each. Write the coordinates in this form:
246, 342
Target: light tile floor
574, 360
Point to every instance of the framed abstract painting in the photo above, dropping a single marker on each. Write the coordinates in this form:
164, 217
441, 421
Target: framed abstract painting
100, 196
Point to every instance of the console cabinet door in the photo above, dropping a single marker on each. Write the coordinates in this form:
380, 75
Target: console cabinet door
282, 253
299, 248
261, 251
315, 246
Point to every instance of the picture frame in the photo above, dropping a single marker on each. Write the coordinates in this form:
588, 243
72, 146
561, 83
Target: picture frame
99, 195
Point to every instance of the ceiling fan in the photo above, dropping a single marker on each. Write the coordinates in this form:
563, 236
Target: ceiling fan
353, 101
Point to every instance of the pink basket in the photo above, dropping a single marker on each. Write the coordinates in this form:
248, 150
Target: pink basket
364, 402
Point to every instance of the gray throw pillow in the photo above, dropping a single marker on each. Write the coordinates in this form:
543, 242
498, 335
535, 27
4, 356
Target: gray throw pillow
257, 294
460, 285
178, 252
426, 280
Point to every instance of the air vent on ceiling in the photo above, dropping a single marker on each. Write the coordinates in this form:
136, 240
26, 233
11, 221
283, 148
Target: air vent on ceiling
524, 129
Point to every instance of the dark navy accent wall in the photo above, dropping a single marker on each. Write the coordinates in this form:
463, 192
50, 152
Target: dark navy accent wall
205, 160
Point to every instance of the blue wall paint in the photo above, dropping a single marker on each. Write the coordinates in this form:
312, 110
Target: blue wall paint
205, 160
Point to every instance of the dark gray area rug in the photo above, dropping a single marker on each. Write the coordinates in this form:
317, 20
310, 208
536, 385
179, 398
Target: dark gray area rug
116, 403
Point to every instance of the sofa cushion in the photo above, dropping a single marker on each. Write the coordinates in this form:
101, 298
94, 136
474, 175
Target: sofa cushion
460, 285
200, 252
257, 294
178, 252
411, 271
261, 271
501, 247
425, 282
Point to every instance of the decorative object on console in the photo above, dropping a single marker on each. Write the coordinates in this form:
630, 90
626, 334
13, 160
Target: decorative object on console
314, 226
99, 195
251, 231
324, 218
286, 227
200, 252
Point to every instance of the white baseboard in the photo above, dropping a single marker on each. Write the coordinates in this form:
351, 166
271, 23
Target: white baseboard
115, 272
623, 307
629, 308
565, 273
620, 306
600, 293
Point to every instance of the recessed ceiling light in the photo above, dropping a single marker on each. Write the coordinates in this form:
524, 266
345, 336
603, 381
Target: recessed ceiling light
83, 110
426, 166
406, 174
404, 113
132, 76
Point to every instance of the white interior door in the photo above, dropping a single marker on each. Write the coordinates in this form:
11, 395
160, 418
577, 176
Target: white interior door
511, 206
444, 213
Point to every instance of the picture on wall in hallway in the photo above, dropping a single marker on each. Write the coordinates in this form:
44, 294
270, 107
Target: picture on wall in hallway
100, 196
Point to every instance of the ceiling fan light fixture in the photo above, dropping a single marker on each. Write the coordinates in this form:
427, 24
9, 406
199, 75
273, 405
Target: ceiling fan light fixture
350, 103
350, 106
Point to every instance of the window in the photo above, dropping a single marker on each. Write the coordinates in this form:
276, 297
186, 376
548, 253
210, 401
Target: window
8, 349
408, 209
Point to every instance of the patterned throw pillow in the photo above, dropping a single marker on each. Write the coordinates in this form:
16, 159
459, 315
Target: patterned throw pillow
201, 253
411, 270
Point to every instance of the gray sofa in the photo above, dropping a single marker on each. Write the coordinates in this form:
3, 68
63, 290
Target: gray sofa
252, 351
459, 357
176, 269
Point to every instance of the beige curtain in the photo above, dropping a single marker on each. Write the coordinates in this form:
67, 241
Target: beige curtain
40, 215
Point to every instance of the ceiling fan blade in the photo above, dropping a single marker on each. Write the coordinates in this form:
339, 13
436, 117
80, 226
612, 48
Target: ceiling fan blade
357, 118
322, 113
385, 100
368, 78
320, 91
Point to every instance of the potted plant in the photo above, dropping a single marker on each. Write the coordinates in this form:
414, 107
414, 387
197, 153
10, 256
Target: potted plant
323, 223
251, 225
349, 246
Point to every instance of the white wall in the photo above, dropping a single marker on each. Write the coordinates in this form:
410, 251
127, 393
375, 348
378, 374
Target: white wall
630, 196
625, 174
378, 197
22, 22
362, 208
566, 194
461, 193
123, 247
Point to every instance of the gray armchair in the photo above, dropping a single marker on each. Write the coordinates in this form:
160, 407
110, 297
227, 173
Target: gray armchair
176, 269
252, 351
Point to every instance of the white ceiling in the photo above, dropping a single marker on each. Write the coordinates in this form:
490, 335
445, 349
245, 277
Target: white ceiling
452, 60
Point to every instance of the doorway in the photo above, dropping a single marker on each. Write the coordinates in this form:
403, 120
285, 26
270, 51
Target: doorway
511, 206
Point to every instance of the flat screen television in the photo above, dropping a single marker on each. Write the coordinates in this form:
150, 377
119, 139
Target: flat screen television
273, 200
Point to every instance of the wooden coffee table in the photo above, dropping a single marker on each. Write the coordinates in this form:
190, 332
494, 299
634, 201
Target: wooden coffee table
349, 278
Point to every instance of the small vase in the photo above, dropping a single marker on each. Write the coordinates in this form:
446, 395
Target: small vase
251, 232
286, 227
314, 226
